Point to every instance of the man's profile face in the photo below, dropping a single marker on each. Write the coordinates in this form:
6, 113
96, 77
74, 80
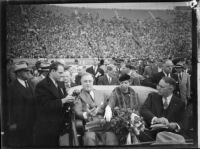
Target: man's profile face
87, 82
164, 89
57, 74
66, 77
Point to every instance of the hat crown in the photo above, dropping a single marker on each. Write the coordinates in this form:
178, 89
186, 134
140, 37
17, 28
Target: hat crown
20, 66
169, 138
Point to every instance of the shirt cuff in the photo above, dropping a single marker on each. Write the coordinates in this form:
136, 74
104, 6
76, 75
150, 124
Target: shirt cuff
85, 115
153, 119
178, 128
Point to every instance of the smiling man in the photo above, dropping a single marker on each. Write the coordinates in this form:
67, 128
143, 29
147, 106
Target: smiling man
163, 108
89, 107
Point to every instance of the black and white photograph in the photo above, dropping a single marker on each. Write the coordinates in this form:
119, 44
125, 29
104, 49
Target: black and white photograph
100, 74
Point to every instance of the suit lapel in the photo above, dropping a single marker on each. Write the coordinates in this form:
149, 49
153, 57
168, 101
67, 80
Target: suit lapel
53, 88
86, 97
106, 80
97, 97
172, 106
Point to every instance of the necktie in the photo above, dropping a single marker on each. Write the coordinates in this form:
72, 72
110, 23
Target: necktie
59, 89
180, 77
26, 84
165, 104
91, 95
109, 80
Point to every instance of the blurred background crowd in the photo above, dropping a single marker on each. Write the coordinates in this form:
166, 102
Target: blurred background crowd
40, 33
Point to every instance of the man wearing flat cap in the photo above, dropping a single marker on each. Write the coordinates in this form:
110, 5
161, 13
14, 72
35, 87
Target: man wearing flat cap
21, 108
122, 96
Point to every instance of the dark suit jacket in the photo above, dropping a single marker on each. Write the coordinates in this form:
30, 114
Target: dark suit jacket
91, 71
150, 70
153, 106
51, 115
154, 80
78, 80
103, 80
21, 111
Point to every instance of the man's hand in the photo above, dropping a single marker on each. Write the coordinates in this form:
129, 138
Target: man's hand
68, 99
91, 112
172, 126
108, 114
161, 120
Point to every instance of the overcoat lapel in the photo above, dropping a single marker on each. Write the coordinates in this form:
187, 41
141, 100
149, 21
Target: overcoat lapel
86, 98
171, 107
53, 88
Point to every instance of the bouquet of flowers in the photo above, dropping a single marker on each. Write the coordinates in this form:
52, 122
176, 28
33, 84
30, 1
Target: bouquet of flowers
126, 124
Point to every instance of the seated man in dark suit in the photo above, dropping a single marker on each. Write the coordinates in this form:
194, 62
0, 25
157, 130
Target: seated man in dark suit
90, 106
163, 108
154, 80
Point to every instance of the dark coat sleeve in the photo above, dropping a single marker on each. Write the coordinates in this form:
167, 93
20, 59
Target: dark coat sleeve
146, 111
152, 81
45, 99
101, 81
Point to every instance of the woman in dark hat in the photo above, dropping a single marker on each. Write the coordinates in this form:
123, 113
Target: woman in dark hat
123, 96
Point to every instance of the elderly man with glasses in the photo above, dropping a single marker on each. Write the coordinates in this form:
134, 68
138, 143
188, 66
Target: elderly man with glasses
162, 111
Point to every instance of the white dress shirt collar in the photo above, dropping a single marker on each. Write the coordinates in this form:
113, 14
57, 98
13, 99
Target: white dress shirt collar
166, 74
168, 99
54, 82
22, 82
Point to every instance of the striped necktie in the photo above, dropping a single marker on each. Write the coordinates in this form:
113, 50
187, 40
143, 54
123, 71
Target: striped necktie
26, 84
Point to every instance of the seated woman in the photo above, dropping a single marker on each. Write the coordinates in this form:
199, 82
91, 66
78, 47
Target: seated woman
122, 96
125, 98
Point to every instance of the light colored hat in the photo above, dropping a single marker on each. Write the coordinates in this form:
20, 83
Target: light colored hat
44, 66
179, 65
21, 66
165, 137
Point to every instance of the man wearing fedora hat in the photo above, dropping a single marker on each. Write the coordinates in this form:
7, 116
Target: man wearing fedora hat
21, 108
183, 82
43, 70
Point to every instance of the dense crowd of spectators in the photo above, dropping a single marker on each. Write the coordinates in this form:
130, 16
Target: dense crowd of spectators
36, 33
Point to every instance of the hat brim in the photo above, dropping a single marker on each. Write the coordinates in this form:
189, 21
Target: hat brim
178, 66
23, 69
